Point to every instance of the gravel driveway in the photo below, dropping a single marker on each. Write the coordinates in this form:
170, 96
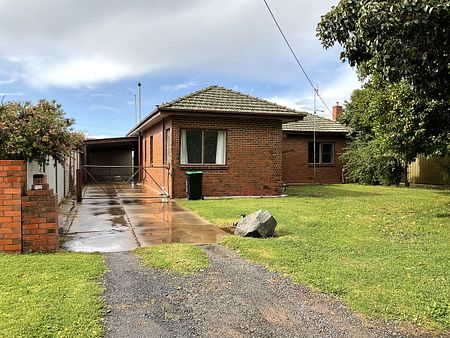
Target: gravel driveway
233, 298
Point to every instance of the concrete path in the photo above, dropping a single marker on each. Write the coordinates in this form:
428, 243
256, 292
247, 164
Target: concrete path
132, 219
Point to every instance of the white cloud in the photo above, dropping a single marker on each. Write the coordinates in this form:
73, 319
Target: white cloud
73, 73
97, 136
12, 94
7, 77
176, 87
84, 43
105, 108
344, 81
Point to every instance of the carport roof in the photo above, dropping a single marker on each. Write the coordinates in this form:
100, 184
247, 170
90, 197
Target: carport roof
220, 100
112, 141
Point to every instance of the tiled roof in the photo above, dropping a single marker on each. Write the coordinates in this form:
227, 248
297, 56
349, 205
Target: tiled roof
321, 125
220, 99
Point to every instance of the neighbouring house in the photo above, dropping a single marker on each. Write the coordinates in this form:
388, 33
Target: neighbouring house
233, 138
300, 166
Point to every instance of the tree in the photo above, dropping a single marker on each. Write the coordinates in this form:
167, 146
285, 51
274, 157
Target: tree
397, 40
395, 117
35, 132
365, 163
402, 51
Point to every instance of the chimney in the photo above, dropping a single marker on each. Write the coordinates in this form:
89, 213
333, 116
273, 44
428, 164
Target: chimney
337, 111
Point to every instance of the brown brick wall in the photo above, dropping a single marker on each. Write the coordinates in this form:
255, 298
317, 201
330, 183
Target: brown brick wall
40, 221
13, 181
158, 158
253, 157
296, 168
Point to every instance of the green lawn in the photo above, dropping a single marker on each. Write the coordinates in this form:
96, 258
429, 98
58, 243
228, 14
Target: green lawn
51, 295
180, 258
385, 251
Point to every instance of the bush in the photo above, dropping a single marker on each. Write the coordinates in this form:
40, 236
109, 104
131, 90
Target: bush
364, 163
35, 132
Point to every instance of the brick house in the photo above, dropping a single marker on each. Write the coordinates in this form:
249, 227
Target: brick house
299, 166
233, 138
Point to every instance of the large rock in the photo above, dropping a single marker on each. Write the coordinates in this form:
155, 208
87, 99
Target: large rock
260, 224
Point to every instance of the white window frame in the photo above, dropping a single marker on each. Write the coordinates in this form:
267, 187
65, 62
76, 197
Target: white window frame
183, 159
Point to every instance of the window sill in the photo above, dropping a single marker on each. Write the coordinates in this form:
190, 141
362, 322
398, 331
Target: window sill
203, 166
321, 165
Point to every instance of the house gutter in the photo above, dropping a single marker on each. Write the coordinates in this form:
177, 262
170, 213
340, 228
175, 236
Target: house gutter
289, 117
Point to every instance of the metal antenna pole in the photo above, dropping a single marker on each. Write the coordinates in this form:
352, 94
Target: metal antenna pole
314, 134
135, 110
139, 100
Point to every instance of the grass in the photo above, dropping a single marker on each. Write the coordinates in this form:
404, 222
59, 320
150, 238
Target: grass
180, 258
50, 295
385, 251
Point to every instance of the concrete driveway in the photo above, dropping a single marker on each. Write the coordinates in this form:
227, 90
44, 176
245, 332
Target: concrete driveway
130, 220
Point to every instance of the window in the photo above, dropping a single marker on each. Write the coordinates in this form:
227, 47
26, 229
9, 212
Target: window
324, 153
145, 151
203, 146
151, 149
168, 146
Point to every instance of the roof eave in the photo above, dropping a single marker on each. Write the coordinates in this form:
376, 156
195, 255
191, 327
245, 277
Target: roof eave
336, 132
286, 117
140, 125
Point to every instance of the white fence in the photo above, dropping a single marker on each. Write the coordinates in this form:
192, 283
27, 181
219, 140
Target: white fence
60, 177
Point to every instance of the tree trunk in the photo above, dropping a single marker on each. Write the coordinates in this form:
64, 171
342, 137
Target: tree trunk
405, 174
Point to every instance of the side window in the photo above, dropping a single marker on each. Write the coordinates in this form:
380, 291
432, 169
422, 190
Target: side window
324, 153
145, 150
168, 146
151, 149
311, 153
327, 153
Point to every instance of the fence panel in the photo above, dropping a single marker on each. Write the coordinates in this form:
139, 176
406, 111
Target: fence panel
58, 177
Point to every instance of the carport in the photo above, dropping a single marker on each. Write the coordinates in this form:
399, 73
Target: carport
110, 159
111, 167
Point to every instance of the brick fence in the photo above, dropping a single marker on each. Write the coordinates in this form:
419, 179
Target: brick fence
28, 219
39, 221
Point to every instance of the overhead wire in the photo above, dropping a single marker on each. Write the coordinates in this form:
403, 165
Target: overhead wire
295, 55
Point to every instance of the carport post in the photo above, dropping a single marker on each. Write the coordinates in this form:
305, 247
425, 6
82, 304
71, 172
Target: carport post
79, 185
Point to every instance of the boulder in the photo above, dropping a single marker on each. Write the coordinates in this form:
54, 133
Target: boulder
260, 224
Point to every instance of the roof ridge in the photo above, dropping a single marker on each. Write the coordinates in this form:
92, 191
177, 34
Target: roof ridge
168, 104
327, 119
258, 98
164, 105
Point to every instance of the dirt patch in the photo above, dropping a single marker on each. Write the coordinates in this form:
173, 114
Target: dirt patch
232, 298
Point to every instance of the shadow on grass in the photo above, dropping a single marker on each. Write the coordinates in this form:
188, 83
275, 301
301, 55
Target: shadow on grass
328, 191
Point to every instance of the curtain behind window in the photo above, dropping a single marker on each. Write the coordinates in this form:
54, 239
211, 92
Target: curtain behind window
184, 154
221, 144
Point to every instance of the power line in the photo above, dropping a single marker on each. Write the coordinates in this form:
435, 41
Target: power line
295, 56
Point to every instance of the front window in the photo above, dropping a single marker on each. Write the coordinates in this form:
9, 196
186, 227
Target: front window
203, 146
324, 153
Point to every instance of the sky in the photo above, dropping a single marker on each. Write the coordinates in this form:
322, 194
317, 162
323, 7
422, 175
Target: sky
89, 55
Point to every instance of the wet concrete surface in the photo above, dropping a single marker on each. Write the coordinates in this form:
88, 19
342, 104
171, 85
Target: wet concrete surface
110, 222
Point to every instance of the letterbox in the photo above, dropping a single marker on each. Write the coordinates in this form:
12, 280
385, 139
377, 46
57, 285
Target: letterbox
40, 182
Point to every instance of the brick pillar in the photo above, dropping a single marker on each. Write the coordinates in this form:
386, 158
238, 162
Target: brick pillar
13, 180
40, 221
